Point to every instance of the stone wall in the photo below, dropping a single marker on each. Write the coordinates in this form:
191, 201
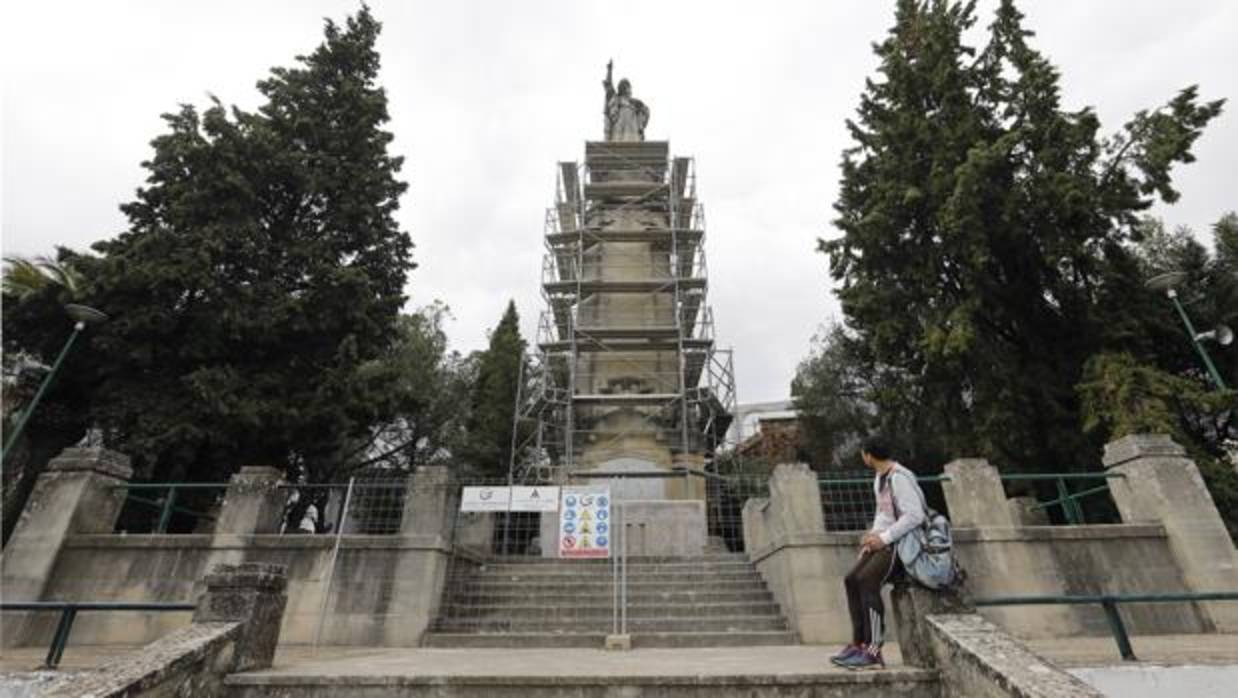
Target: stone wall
977, 659
235, 628
385, 589
804, 565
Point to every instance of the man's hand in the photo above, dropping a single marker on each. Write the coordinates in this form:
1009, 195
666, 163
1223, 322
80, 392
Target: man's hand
871, 542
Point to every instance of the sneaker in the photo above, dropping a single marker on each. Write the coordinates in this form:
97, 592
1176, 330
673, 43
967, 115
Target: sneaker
845, 653
867, 658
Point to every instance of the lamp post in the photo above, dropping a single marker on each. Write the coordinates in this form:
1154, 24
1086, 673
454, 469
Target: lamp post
82, 316
1222, 335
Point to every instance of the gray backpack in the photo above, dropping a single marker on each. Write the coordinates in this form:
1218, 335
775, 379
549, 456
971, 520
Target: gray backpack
926, 551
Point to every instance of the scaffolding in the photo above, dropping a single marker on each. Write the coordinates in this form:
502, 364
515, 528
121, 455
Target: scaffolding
626, 341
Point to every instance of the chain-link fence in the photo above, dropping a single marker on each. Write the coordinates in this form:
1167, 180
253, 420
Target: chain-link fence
367, 505
849, 503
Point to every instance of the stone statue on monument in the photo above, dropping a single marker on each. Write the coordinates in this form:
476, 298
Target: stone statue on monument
625, 115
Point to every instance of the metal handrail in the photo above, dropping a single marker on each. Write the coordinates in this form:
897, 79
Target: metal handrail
68, 613
869, 480
167, 505
1069, 501
1109, 602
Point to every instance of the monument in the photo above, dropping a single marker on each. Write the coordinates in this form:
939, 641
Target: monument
628, 387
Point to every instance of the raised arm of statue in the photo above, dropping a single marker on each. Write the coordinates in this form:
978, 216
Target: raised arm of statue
608, 84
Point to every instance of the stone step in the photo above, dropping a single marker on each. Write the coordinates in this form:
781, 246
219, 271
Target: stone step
572, 576
459, 611
578, 668
643, 624
688, 596
598, 639
473, 587
603, 562
678, 566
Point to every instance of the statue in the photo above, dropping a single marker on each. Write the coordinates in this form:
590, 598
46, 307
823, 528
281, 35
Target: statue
625, 116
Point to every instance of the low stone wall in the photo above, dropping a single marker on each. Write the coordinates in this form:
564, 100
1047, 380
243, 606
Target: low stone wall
385, 591
804, 567
235, 628
975, 658
1114, 559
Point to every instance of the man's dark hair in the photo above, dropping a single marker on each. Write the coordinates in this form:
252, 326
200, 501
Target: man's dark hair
877, 447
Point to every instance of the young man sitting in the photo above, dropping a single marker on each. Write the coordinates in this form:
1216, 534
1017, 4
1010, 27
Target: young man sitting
900, 509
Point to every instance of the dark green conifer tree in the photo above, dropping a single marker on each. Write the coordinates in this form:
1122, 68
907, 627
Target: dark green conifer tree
981, 223
261, 277
488, 450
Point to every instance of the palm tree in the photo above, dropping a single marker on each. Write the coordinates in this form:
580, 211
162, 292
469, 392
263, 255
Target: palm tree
25, 277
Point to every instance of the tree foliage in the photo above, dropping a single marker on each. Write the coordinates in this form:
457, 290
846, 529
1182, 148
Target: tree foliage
984, 254
488, 447
435, 389
255, 295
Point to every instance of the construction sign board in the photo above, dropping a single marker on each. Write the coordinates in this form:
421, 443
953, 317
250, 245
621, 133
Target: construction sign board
485, 498
535, 499
584, 523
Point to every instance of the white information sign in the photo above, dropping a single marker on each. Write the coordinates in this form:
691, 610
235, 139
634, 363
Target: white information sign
535, 499
485, 498
584, 522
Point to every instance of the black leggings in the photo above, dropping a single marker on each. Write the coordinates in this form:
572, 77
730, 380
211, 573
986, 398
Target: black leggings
864, 583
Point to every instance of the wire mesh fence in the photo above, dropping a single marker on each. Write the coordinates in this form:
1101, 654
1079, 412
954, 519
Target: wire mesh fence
849, 503
374, 505
674, 563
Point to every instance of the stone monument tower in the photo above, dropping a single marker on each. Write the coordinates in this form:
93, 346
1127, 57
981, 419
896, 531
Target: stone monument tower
627, 378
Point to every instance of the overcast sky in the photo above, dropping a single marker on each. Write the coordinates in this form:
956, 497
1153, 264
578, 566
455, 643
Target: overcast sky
485, 97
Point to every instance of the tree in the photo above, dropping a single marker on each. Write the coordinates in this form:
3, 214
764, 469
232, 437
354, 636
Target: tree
435, 388
258, 286
488, 449
983, 258
1157, 382
831, 393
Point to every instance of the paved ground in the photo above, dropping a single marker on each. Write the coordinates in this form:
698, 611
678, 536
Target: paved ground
718, 661
1075, 652
1150, 649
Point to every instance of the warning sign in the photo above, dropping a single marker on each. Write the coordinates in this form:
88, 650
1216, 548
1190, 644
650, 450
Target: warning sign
584, 522
535, 499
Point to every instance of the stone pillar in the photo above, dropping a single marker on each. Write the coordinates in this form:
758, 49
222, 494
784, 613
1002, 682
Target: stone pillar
420, 572
426, 508
1162, 485
1025, 512
252, 594
911, 606
77, 493
975, 496
786, 539
254, 502
795, 496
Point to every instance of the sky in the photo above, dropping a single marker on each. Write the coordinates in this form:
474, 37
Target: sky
485, 98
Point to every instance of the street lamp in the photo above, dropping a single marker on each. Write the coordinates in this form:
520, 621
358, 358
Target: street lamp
1222, 335
82, 315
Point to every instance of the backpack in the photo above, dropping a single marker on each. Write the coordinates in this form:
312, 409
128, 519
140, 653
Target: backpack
926, 551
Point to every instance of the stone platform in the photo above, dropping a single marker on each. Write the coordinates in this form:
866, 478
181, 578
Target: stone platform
773, 671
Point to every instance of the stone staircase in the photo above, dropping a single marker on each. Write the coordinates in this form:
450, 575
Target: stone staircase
715, 600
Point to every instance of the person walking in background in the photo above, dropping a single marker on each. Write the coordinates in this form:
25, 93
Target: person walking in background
900, 509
